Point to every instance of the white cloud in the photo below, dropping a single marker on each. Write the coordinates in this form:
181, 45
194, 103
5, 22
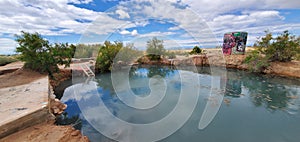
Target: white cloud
122, 14
219, 16
156, 34
43, 16
141, 23
53, 18
81, 1
7, 46
209, 9
134, 33
125, 32
266, 15
174, 28
248, 19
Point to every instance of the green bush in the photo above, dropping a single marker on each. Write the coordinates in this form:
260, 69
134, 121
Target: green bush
256, 61
106, 55
41, 56
110, 53
196, 50
155, 49
282, 48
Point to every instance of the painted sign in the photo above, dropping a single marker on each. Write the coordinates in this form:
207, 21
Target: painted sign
234, 43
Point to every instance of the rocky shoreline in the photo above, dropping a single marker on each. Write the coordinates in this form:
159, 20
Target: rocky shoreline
286, 69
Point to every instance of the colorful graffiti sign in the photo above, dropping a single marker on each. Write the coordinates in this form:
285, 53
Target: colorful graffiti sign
234, 43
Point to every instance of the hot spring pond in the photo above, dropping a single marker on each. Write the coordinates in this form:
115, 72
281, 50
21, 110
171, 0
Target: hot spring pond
253, 107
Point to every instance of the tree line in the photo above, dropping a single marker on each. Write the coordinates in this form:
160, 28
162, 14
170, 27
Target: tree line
39, 55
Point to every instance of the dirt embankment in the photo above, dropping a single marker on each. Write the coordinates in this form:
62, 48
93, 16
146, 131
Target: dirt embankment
289, 69
45, 131
63, 75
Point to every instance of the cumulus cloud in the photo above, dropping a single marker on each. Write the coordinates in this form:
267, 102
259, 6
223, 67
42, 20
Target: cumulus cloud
203, 20
7, 46
210, 9
174, 28
43, 16
134, 33
169, 13
52, 18
81, 1
122, 14
157, 34
214, 18
125, 32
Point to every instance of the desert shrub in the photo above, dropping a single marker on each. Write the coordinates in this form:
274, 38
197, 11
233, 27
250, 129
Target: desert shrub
115, 52
196, 50
256, 61
282, 48
106, 55
41, 56
155, 49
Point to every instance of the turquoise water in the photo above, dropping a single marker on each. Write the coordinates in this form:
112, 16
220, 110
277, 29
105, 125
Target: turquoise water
255, 108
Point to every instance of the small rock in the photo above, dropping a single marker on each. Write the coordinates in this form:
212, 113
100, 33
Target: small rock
293, 97
64, 106
52, 96
60, 112
227, 101
55, 110
54, 107
75, 133
12, 89
85, 138
22, 108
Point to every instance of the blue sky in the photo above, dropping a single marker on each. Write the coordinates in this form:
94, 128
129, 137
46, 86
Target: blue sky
180, 23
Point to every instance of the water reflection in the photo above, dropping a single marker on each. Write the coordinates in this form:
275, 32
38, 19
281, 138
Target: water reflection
269, 92
244, 92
